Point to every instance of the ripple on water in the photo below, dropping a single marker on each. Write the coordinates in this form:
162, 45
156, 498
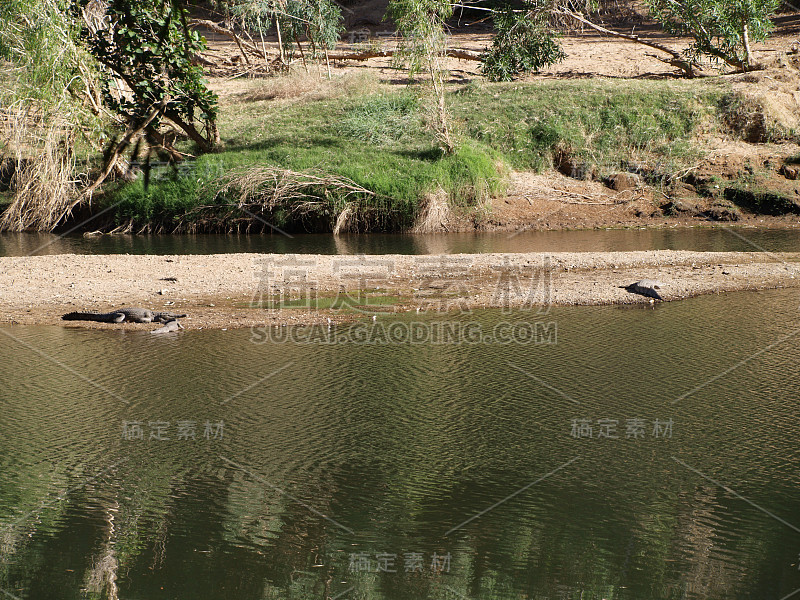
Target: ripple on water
399, 448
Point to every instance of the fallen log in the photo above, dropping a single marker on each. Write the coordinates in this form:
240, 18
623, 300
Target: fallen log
367, 54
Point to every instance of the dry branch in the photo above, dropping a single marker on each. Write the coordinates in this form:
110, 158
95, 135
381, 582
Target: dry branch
120, 147
261, 190
242, 44
678, 60
269, 187
367, 54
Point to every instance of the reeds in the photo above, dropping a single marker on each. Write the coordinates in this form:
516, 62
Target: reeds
43, 183
257, 195
435, 214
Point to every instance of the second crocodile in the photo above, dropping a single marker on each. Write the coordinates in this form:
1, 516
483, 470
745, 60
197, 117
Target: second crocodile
131, 315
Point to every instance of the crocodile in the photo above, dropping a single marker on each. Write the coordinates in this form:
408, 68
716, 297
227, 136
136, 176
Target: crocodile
168, 327
646, 287
132, 315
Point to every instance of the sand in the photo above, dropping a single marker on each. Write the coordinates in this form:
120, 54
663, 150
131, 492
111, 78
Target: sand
241, 290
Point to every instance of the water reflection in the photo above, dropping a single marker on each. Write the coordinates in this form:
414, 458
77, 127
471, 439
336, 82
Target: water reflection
403, 471
717, 239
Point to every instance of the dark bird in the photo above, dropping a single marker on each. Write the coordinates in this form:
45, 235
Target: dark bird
646, 287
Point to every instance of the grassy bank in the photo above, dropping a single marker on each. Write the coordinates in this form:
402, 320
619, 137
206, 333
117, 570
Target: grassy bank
375, 135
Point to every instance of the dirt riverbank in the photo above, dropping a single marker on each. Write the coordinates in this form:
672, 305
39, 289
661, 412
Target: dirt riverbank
736, 174
243, 290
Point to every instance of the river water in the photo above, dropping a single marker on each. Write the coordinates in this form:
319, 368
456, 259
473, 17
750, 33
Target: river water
720, 239
632, 453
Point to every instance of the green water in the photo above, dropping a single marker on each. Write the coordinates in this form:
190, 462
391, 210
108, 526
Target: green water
336, 464
718, 239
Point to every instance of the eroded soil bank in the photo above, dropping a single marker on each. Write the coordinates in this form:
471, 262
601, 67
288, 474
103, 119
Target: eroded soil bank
242, 290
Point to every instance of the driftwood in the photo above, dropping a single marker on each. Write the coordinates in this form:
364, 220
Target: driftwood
367, 54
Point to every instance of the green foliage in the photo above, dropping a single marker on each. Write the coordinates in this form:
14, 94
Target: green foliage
150, 50
421, 23
315, 136
470, 175
161, 203
251, 14
605, 123
374, 142
722, 29
523, 42
320, 21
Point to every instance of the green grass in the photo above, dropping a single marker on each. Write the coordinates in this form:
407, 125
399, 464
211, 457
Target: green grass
379, 141
381, 119
608, 123
760, 200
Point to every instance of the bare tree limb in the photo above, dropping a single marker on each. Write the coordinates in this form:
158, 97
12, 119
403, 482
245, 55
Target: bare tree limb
367, 54
677, 60
243, 44
120, 147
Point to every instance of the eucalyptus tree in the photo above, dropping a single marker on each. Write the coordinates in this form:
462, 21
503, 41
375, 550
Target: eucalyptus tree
423, 47
722, 29
319, 21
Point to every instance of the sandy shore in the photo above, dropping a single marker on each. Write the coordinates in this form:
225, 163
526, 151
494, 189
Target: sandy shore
219, 291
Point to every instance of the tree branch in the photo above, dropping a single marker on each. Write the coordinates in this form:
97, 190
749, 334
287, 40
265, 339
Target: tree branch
367, 54
206, 145
126, 140
243, 44
677, 60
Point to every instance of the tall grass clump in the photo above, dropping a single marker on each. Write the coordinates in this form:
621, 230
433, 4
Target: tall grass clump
472, 174
170, 194
381, 119
49, 86
43, 184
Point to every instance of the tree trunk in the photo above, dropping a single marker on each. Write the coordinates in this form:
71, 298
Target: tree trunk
746, 43
120, 147
204, 144
280, 41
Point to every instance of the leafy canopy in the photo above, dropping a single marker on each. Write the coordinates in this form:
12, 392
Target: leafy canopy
421, 23
524, 42
146, 46
720, 28
320, 21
